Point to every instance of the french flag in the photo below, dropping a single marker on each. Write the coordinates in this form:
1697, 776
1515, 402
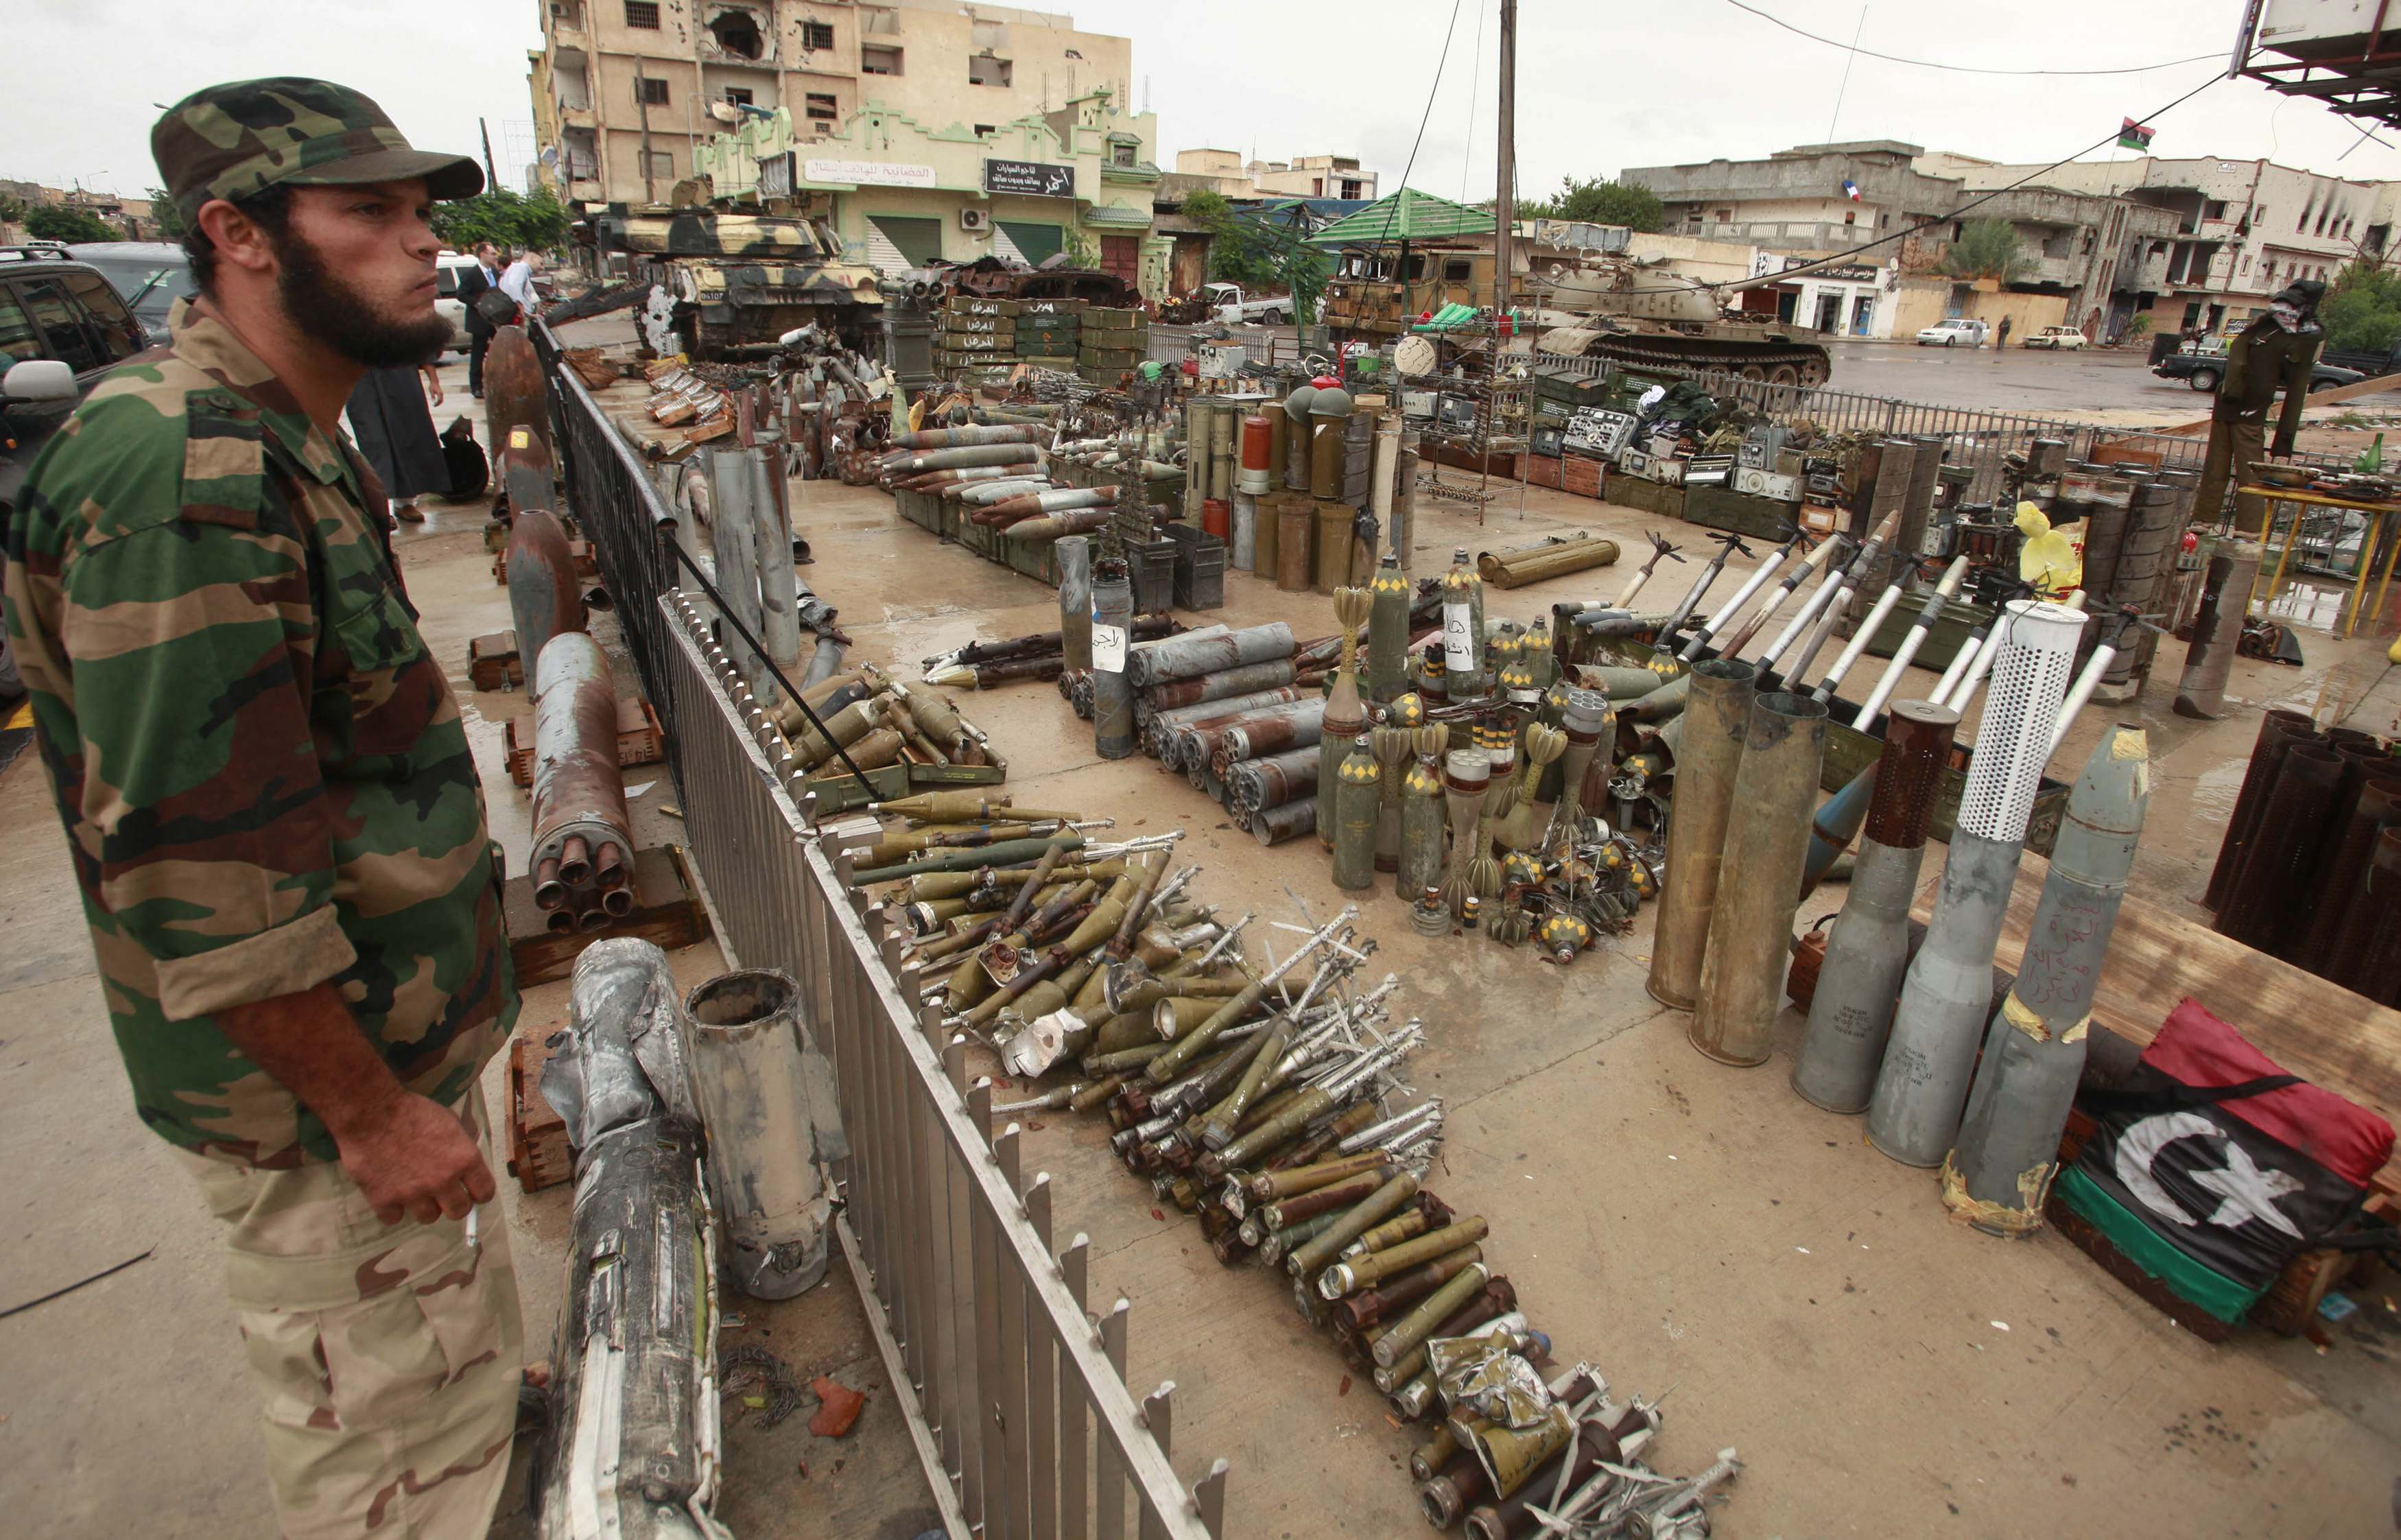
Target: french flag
1850, 189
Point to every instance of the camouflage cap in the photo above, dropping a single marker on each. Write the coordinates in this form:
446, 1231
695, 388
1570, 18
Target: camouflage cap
232, 139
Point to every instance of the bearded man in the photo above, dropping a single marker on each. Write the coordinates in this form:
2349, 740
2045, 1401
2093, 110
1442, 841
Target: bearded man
274, 819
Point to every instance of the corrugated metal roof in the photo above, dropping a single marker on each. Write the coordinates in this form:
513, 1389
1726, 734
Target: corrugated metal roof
1407, 215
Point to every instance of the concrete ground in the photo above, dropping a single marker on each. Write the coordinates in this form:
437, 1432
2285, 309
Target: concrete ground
1682, 1225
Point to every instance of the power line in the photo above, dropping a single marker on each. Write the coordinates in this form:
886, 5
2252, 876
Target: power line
1844, 258
1956, 69
1394, 212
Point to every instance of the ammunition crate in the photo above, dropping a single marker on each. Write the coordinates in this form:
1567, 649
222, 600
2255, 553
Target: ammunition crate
1048, 306
963, 305
1094, 374
1120, 358
1580, 474
640, 739
974, 323
1716, 508
1102, 315
1063, 363
1199, 568
1152, 563
539, 1155
978, 342
1539, 470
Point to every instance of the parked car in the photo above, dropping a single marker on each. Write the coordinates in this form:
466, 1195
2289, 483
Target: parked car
1951, 333
148, 275
446, 268
62, 327
2204, 366
2057, 337
1229, 304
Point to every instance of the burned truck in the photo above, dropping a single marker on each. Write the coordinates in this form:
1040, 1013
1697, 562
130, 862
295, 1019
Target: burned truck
725, 285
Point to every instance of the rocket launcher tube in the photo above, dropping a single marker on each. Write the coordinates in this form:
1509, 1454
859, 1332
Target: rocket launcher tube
1918, 629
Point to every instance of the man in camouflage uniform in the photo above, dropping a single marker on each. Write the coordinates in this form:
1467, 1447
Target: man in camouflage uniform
273, 816
2276, 351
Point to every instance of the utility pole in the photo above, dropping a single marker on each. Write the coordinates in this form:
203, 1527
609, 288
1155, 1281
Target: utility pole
492, 173
642, 108
1504, 200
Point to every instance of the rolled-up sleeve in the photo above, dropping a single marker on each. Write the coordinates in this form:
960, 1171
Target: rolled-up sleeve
202, 808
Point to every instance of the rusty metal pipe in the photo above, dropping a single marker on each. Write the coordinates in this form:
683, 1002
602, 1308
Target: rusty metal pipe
548, 891
2259, 911
574, 861
2377, 808
2278, 731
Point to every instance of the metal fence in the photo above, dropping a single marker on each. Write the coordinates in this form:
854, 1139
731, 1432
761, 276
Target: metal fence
619, 512
1972, 437
1015, 1397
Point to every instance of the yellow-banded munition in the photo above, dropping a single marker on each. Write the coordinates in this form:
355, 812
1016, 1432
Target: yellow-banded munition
1347, 1277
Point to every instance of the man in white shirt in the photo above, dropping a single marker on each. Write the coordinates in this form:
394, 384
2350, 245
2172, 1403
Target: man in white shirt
517, 283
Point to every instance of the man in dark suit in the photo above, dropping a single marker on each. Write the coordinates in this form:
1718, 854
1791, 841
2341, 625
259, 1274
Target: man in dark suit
485, 274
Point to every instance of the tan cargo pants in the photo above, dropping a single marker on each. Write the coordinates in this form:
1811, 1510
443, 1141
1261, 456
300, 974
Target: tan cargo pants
388, 1355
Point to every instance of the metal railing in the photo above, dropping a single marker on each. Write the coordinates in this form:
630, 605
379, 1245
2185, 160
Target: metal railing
619, 509
1014, 1396
1972, 435
1017, 1401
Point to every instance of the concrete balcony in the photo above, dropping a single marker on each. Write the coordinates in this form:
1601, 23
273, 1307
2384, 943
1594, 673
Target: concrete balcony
577, 117
2054, 271
568, 34
1785, 235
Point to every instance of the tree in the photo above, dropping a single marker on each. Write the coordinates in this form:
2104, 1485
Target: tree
1595, 201
540, 223
2362, 310
163, 213
1263, 249
1987, 248
68, 226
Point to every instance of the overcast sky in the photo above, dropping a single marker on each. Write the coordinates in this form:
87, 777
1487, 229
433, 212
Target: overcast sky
1601, 84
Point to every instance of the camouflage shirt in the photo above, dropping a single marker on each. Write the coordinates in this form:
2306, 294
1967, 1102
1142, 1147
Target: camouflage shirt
262, 772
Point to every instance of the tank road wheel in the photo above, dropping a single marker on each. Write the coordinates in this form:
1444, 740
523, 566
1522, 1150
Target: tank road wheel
1755, 371
1784, 374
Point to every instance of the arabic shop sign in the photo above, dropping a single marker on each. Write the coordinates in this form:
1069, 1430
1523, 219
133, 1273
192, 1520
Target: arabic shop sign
869, 174
1031, 178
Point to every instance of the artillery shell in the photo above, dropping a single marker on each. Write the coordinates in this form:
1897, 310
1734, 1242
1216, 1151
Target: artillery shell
1350, 1277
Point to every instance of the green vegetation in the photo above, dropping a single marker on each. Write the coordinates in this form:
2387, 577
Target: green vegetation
506, 219
1987, 248
1263, 253
56, 222
164, 214
2362, 310
1599, 202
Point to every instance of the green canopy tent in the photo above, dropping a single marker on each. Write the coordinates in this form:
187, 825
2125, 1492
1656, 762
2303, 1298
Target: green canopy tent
1407, 215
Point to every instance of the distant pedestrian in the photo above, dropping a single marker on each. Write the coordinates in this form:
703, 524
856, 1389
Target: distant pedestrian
517, 283
394, 427
2005, 332
474, 284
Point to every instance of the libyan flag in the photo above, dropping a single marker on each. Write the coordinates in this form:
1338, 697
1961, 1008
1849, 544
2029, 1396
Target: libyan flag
2134, 136
2211, 1167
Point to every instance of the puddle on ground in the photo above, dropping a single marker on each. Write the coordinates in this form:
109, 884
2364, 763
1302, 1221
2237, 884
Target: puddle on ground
2304, 605
2215, 790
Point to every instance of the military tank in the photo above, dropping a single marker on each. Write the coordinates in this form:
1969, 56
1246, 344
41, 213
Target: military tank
1640, 315
722, 284
1589, 304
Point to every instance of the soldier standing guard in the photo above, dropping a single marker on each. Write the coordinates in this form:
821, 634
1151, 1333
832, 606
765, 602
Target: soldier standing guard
274, 819
2278, 348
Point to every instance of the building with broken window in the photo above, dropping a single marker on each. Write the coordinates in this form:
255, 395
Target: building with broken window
927, 132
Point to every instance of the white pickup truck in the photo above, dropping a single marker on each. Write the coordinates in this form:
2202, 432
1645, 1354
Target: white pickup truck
1229, 304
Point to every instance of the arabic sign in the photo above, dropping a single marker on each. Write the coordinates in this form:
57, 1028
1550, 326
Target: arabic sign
869, 174
1032, 177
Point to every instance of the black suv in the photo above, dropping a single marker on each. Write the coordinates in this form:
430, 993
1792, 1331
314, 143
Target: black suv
53, 310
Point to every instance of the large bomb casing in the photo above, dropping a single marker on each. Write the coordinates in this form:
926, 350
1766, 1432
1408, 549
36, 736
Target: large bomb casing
1388, 631
1356, 790
1850, 1016
1075, 554
1914, 1110
748, 1075
2225, 594
1715, 723
1767, 838
2034, 1050
543, 597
